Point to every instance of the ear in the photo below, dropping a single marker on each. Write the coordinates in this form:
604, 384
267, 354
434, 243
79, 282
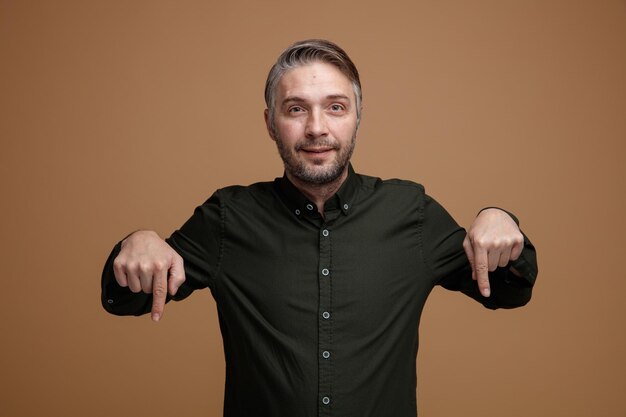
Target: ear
268, 125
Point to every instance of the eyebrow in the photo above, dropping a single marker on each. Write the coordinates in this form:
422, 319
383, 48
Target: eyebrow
297, 99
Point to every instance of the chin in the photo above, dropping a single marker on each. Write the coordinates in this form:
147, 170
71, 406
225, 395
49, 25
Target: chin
321, 175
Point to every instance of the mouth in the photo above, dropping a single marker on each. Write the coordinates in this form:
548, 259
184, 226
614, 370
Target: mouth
318, 155
321, 150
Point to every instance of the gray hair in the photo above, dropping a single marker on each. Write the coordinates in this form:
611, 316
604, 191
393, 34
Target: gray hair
306, 52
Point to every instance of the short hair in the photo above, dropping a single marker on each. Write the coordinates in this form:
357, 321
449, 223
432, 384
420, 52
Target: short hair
306, 52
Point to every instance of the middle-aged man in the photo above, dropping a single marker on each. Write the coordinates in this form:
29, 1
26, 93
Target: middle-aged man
320, 276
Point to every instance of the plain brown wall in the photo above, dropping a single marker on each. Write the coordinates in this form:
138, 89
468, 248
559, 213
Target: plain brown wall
119, 115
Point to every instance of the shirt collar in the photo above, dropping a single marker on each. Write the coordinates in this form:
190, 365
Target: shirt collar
300, 205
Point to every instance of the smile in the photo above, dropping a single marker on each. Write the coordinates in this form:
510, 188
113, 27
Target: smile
317, 150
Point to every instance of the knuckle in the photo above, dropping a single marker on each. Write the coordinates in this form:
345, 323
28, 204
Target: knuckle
145, 266
132, 266
120, 276
178, 279
481, 242
159, 291
118, 265
159, 266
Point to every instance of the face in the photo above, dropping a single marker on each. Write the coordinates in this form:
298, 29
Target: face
315, 123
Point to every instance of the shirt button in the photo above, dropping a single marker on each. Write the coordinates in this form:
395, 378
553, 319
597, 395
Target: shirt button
325, 232
326, 315
345, 207
110, 301
325, 272
309, 207
297, 212
326, 354
326, 400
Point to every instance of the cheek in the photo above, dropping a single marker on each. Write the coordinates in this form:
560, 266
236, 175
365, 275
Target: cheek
345, 130
289, 132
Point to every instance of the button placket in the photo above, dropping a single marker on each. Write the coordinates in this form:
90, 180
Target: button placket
325, 361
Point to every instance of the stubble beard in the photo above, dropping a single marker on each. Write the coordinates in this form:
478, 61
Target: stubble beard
312, 173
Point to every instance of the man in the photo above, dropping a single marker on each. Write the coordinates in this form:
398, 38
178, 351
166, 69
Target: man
320, 276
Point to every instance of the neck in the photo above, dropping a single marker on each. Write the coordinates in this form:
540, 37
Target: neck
319, 193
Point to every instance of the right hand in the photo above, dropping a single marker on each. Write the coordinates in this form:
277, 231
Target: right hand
144, 263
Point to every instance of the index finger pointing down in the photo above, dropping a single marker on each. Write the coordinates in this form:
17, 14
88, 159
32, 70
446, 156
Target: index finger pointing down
481, 265
159, 293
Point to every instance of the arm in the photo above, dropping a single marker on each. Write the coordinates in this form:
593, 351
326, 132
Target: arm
141, 274
144, 272
509, 280
493, 240
497, 284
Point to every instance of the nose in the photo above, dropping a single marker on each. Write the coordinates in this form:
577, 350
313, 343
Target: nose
316, 124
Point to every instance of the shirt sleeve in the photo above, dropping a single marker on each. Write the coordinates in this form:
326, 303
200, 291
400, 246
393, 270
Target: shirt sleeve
444, 254
198, 242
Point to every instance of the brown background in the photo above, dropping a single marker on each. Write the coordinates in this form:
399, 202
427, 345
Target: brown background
118, 115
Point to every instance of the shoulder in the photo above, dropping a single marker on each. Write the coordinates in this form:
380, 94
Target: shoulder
400, 196
372, 182
393, 186
235, 195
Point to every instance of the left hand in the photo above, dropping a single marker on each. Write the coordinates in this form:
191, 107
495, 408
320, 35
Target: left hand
492, 240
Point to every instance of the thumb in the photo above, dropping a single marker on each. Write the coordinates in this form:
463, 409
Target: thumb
176, 275
469, 252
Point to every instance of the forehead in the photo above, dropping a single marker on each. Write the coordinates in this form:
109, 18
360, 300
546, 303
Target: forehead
314, 80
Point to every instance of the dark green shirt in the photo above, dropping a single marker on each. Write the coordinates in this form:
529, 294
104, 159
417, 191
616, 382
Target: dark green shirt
319, 315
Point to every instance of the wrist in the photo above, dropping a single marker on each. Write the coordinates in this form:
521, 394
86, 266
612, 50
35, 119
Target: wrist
139, 234
500, 209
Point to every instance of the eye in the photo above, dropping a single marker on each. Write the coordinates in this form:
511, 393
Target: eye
295, 109
337, 107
